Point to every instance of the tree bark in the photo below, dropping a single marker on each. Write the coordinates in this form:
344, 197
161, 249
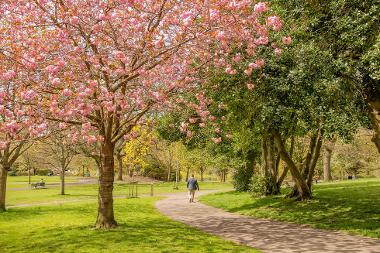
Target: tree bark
187, 173
328, 149
106, 218
316, 154
286, 168
169, 173
270, 166
375, 121
63, 181
303, 189
202, 171
3, 186
120, 167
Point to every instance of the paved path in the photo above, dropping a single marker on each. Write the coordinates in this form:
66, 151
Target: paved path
265, 235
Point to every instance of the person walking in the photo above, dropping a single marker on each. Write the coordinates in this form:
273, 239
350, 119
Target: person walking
192, 185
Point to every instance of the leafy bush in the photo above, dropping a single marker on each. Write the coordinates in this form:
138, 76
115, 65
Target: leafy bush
259, 186
242, 178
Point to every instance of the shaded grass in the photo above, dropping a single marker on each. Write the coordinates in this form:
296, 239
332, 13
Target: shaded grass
68, 228
352, 206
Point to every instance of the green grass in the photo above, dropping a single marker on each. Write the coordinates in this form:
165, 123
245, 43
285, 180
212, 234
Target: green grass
69, 228
88, 191
22, 181
352, 206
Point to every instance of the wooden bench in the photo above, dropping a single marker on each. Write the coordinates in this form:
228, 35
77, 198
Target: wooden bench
38, 185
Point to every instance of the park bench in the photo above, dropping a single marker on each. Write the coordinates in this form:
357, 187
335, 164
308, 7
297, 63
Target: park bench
38, 185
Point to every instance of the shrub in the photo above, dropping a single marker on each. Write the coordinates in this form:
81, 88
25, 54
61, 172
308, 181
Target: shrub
242, 178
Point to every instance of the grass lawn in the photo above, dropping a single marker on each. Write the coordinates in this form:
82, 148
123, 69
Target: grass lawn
352, 206
68, 228
25, 195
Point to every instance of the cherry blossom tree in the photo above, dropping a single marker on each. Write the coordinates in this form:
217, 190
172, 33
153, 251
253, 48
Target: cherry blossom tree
101, 65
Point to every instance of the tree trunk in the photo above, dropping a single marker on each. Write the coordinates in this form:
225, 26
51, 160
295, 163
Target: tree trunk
303, 189
187, 173
169, 173
120, 167
29, 176
375, 120
106, 178
63, 181
328, 149
270, 166
286, 168
202, 171
316, 155
3, 186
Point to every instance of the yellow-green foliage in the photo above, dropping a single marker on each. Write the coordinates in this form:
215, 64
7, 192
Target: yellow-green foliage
139, 146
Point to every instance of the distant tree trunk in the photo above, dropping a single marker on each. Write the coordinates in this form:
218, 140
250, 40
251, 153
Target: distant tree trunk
120, 167
63, 181
202, 172
187, 173
29, 175
372, 98
375, 120
169, 173
328, 149
106, 217
3, 186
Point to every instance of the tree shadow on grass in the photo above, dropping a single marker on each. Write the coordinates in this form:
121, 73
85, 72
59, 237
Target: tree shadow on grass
351, 207
69, 228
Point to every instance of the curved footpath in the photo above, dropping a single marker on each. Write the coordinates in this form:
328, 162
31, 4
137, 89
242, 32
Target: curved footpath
265, 235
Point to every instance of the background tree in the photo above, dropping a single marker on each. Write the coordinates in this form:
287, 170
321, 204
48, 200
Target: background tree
58, 152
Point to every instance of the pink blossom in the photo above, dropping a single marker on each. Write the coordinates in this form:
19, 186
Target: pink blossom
248, 71
74, 20
193, 120
67, 92
250, 86
28, 95
56, 81
3, 145
287, 40
86, 126
62, 125
217, 130
91, 139
202, 125
260, 7
10, 74
214, 14
262, 40
277, 51
104, 17
189, 134
274, 22
221, 35
119, 55
217, 140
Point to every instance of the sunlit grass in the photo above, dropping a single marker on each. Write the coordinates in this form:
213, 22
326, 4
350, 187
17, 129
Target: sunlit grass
69, 228
25, 195
352, 206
